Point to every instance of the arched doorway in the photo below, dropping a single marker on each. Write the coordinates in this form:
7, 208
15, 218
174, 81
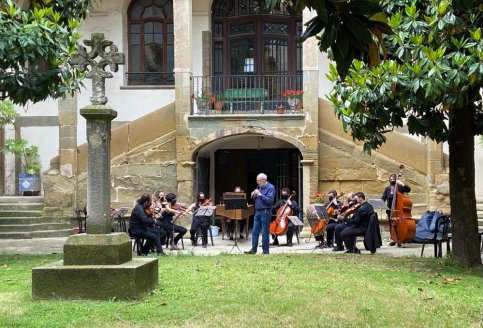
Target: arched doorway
236, 160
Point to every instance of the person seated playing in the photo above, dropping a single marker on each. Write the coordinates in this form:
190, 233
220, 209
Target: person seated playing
292, 204
169, 216
142, 225
331, 206
200, 220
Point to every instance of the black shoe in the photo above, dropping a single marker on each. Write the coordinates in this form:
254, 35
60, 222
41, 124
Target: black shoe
392, 243
161, 254
265, 253
250, 252
193, 242
241, 237
204, 245
398, 245
275, 243
231, 238
289, 243
338, 249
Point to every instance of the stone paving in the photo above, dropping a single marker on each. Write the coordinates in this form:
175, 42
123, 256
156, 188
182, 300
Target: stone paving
306, 245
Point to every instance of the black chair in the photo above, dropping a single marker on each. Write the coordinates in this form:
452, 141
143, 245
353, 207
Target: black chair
138, 242
118, 217
81, 220
442, 233
170, 239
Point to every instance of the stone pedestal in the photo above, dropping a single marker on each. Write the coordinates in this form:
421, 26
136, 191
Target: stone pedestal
96, 267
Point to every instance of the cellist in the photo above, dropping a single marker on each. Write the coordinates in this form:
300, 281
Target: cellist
200, 220
388, 194
331, 206
285, 194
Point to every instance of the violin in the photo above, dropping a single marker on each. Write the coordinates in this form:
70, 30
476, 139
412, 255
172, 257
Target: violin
206, 202
280, 225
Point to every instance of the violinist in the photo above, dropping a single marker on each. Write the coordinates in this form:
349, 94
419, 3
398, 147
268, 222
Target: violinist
170, 214
143, 226
388, 195
332, 226
357, 224
285, 194
331, 206
201, 220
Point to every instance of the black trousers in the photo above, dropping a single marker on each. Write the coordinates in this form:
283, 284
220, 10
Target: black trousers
331, 231
204, 223
151, 235
179, 230
349, 236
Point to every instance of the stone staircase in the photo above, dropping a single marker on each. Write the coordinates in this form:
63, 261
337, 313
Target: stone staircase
21, 218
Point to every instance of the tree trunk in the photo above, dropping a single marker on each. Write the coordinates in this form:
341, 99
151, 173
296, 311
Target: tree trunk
466, 250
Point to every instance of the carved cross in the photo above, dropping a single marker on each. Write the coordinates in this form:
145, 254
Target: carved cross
97, 73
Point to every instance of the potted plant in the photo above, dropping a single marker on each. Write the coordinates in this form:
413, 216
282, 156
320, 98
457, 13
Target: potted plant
29, 177
294, 97
218, 104
204, 100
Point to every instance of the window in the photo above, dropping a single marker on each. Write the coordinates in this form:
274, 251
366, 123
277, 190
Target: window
151, 42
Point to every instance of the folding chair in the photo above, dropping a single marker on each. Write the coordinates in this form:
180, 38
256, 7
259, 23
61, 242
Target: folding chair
442, 233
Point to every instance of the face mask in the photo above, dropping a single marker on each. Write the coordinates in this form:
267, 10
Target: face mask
331, 198
392, 183
284, 196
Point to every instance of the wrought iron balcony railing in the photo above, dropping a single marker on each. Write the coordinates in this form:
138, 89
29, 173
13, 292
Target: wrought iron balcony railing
245, 94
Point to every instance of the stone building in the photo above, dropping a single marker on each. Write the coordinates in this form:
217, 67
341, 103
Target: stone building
181, 56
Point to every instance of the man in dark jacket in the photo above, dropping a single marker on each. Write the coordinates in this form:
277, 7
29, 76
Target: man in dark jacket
143, 226
358, 223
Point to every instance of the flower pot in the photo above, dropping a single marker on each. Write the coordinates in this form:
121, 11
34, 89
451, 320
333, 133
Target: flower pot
29, 184
293, 103
218, 105
280, 110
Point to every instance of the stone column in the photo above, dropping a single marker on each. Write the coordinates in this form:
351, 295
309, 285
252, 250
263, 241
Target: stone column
68, 136
437, 178
182, 18
309, 186
99, 119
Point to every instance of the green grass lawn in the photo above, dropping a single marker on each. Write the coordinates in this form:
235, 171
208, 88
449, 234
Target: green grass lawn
285, 290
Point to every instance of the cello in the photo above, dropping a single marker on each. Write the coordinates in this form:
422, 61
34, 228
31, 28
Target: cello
401, 224
280, 225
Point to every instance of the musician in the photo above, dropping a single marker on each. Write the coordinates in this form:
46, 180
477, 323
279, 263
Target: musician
340, 220
142, 226
285, 194
200, 220
388, 195
356, 225
169, 216
263, 197
331, 206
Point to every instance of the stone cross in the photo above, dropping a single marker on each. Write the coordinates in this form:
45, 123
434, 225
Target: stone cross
98, 117
97, 73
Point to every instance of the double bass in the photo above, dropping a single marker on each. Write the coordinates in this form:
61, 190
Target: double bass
280, 225
401, 224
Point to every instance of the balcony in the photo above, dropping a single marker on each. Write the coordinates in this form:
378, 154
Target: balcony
244, 94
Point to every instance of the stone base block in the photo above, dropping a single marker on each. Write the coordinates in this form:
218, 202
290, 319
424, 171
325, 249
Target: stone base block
90, 249
130, 280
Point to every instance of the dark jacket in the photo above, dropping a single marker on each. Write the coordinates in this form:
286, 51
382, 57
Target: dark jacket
281, 203
361, 217
426, 226
372, 239
139, 220
388, 194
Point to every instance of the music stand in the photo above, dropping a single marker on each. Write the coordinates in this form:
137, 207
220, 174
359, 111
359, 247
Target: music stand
235, 204
205, 211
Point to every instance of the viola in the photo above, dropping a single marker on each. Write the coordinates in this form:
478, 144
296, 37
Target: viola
280, 225
401, 224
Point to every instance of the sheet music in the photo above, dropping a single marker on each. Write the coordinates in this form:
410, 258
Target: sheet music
205, 211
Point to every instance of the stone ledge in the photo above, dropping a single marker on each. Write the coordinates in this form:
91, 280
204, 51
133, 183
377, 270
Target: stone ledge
130, 280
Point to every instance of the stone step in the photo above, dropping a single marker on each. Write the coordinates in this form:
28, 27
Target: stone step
36, 234
21, 207
34, 227
21, 199
20, 213
18, 221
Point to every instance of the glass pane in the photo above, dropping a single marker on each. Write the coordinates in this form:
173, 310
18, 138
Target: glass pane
153, 58
170, 59
158, 27
158, 38
148, 12
169, 27
135, 39
148, 38
148, 27
276, 56
168, 9
135, 58
218, 58
242, 59
135, 28
218, 30
275, 28
248, 28
136, 11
